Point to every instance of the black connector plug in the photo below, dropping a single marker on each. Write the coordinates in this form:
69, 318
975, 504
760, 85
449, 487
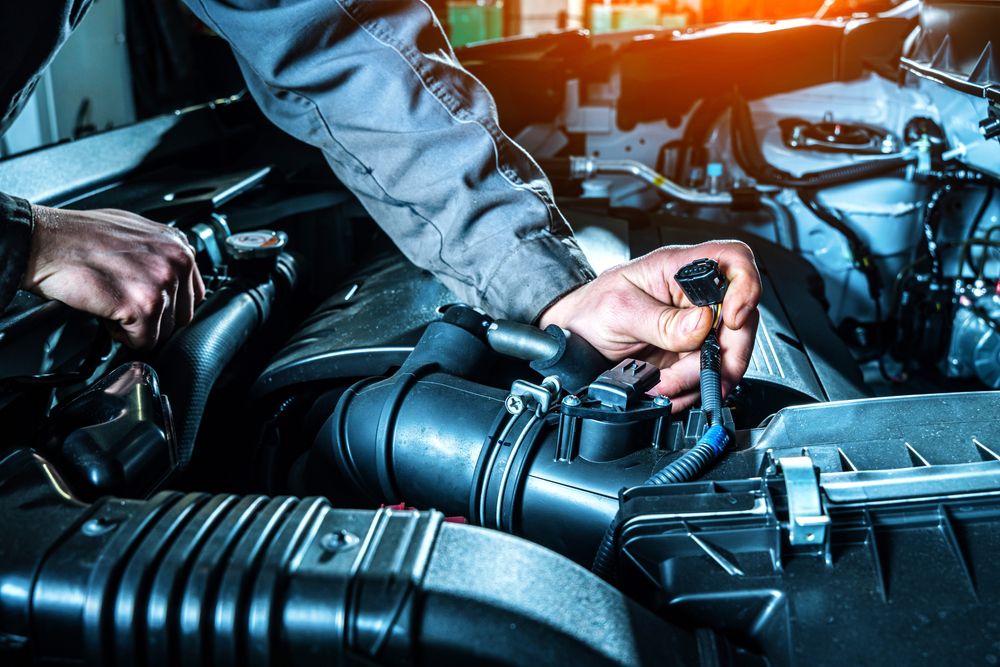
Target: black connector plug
702, 282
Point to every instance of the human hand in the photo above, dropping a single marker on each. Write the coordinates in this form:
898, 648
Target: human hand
137, 273
637, 310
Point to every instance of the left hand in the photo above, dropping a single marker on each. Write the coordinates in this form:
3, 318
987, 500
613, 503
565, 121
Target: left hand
637, 310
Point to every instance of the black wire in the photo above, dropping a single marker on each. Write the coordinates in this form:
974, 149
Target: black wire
983, 256
859, 249
976, 221
864, 263
932, 211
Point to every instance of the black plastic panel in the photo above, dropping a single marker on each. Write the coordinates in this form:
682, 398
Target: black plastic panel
956, 45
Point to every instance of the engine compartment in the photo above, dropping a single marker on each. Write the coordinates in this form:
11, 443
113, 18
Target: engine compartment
852, 518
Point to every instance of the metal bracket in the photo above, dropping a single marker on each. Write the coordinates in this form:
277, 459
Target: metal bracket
524, 394
807, 522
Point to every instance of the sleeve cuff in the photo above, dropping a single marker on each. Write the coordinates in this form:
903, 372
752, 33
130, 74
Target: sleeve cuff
16, 225
538, 273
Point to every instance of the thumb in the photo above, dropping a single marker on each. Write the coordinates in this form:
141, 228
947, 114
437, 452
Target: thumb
668, 328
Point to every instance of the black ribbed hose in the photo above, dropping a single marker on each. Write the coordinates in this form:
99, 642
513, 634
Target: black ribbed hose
223, 580
192, 361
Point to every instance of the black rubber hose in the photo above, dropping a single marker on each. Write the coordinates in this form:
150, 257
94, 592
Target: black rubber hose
192, 361
222, 580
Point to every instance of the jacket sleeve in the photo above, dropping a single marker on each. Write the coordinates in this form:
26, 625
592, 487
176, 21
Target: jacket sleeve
376, 86
15, 245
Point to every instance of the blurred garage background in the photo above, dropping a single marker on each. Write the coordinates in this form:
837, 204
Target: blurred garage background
131, 60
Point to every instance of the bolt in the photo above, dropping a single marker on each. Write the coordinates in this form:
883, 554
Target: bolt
99, 526
661, 401
514, 404
571, 401
552, 384
331, 543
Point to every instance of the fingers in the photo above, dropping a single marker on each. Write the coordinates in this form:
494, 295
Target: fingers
743, 295
684, 401
651, 322
168, 318
737, 348
141, 326
654, 273
680, 380
190, 289
199, 286
161, 296
192, 285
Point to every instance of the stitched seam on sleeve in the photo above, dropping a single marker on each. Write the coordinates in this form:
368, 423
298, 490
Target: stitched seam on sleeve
367, 172
453, 104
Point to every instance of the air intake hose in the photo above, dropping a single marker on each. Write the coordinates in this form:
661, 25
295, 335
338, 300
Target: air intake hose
192, 361
222, 580
428, 437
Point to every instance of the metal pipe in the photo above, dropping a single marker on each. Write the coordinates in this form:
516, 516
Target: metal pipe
585, 167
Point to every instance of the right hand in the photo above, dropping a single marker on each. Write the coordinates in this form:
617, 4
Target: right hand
638, 310
136, 273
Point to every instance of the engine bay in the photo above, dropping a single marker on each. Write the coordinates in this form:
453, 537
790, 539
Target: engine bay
338, 461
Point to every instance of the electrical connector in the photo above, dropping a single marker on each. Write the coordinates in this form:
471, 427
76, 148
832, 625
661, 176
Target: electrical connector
702, 282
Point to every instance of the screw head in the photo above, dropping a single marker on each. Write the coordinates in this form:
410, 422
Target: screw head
514, 404
661, 401
342, 539
571, 401
99, 526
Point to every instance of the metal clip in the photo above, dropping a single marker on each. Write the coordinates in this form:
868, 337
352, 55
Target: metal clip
524, 393
807, 523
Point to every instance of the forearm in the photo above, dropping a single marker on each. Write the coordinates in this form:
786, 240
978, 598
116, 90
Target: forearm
15, 245
377, 88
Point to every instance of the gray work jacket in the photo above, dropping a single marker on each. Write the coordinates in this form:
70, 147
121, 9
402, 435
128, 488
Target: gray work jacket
375, 85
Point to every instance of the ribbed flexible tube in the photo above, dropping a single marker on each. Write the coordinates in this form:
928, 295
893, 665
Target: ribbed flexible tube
225, 580
711, 378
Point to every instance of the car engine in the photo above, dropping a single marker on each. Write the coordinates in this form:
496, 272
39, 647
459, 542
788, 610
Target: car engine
338, 463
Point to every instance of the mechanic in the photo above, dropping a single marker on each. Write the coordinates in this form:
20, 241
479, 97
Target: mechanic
377, 87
